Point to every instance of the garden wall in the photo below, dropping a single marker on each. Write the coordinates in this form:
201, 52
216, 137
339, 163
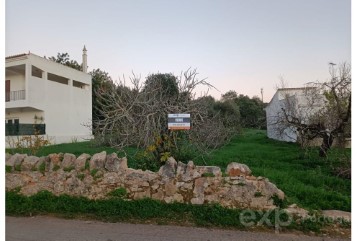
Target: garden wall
101, 175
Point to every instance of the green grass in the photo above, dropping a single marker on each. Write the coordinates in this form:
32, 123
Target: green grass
117, 209
42, 167
68, 169
8, 169
305, 179
208, 174
118, 193
81, 176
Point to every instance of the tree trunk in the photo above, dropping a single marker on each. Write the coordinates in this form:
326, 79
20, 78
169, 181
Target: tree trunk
326, 144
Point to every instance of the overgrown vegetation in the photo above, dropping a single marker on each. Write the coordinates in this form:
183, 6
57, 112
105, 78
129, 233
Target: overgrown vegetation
8, 169
42, 167
118, 193
306, 179
138, 116
117, 209
55, 168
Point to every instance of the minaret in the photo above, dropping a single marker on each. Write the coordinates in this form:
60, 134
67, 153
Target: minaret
84, 60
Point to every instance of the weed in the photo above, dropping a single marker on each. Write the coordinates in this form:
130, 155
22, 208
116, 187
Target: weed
118, 193
61, 157
18, 168
224, 174
93, 172
258, 194
208, 174
8, 169
307, 180
87, 164
55, 168
74, 140
42, 167
33, 143
68, 169
279, 202
81, 176
117, 209
16, 189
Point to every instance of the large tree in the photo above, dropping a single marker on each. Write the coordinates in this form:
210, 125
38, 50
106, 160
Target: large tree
251, 110
138, 115
64, 58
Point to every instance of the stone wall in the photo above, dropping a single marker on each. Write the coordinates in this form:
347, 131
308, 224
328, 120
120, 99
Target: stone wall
96, 176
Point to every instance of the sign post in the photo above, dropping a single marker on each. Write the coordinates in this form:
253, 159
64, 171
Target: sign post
179, 121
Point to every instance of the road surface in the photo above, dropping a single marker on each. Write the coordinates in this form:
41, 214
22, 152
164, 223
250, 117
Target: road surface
41, 228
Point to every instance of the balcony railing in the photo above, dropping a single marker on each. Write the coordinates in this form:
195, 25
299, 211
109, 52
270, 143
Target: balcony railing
14, 95
24, 129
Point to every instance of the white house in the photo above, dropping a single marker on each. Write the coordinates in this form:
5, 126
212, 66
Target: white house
298, 101
55, 97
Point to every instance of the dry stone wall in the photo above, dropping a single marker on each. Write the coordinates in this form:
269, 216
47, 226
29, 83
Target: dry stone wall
96, 176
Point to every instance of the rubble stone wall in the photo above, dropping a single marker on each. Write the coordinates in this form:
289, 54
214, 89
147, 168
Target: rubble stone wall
96, 176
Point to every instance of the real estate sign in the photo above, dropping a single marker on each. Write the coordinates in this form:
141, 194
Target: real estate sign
179, 121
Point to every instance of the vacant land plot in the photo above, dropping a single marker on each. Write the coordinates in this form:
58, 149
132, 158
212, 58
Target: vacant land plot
305, 178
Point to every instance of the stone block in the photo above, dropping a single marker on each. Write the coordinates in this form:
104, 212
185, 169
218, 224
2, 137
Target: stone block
237, 169
29, 163
97, 161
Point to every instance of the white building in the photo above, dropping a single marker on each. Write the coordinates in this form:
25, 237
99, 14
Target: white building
298, 101
57, 97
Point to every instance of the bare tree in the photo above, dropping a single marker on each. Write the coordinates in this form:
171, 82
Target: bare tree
322, 110
137, 116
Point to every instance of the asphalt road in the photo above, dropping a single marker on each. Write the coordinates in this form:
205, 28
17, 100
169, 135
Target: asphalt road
42, 228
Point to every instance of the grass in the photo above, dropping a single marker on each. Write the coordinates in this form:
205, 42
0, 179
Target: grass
81, 176
55, 168
8, 169
208, 174
42, 167
118, 193
305, 179
68, 169
117, 209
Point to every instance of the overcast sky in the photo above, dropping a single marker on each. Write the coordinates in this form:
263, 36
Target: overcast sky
238, 45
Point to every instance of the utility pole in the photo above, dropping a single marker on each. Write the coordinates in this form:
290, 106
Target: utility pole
262, 95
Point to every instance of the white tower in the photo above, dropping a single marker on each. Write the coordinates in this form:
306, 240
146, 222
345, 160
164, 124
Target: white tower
84, 60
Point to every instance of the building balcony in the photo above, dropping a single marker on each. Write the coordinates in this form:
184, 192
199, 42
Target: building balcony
14, 95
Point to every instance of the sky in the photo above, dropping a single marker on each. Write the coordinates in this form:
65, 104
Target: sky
237, 45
